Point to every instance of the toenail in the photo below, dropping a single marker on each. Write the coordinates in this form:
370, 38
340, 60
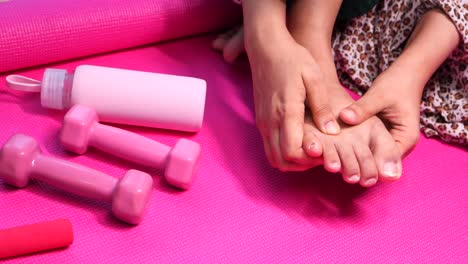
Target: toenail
354, 178
390, 169
331, 127
370, 182
312, 146
335, 166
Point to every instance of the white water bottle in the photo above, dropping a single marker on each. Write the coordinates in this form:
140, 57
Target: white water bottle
123, 96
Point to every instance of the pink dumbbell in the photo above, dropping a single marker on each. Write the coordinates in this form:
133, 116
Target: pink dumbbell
21, 159
81, 128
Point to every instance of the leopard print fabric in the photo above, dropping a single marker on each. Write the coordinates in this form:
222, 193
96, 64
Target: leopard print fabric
367, 45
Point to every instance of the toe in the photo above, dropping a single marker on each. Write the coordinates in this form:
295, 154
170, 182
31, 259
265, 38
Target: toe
349, 163
221, 40
234, 47
331, 159
367, 166
386, 154
311, 144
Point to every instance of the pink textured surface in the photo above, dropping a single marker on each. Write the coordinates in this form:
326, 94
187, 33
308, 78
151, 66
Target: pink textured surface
34, 32
239, 210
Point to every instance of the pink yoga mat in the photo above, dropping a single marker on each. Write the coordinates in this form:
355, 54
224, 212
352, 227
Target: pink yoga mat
34, 32
239, 209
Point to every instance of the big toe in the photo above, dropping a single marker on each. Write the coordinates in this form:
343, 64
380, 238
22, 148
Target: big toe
386, 154
220, 42
234, 47
222, 39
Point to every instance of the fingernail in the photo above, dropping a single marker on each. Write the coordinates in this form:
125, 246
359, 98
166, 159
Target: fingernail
350, 114
370, 182
354, 178
331, 127
390, 169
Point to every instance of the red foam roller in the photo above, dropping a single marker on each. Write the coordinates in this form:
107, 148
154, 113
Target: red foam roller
34, 238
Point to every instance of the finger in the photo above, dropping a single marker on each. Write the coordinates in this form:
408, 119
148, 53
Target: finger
280, 162
268, 152
317, 100
369, 105
292, 134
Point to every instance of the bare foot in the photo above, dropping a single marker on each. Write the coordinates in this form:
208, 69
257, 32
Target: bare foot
231, 44
364, 153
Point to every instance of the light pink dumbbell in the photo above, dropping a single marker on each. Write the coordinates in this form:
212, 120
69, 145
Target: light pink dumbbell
21, 159
81, 128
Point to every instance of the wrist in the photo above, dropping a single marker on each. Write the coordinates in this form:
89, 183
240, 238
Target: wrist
264, 22
399, 79
259, 39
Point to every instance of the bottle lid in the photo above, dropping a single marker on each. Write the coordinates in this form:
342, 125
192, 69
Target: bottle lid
53, 89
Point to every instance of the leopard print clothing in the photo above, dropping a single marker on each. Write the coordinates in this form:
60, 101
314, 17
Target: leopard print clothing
367, 45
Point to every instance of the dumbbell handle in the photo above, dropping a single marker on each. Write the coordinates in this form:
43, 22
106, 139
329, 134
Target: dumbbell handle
74, 178
129, 146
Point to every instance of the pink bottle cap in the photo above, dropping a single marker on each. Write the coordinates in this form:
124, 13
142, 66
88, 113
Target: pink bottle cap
55, 92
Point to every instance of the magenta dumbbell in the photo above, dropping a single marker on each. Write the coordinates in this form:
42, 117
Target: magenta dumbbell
81, 128
21, 159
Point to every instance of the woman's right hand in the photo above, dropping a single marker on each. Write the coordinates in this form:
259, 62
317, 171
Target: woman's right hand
285, 79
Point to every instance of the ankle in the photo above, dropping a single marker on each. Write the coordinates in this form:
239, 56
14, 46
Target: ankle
323, 56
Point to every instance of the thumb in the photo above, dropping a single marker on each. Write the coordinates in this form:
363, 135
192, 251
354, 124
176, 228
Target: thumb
317, 100
405, 138
372, 103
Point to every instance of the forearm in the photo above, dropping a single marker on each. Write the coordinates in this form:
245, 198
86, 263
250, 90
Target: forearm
433, 40
311, 22
264, 22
